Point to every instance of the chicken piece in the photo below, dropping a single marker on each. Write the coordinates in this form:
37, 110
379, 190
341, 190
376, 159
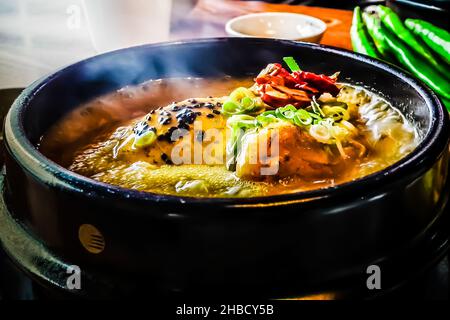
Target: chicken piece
194, 124
297, 154
189, 122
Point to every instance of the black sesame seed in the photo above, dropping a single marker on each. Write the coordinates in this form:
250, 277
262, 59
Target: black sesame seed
175, 108
216, 111
210, 115
198, 113
209, 106
169, 134
166, 159
186, 116
183, 125
164, 120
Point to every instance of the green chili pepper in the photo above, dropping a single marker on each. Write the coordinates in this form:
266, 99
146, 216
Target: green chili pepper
361, 41
416, 65
394, 24
436, 38
374, 28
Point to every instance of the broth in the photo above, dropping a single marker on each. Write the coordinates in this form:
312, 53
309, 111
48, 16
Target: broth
87, 139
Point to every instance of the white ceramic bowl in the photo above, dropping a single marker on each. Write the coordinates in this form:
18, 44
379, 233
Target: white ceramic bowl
279, 25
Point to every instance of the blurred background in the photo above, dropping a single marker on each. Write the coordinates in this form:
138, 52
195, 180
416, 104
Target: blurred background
38, 36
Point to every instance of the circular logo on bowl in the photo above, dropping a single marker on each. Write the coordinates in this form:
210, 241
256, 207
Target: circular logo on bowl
91, 238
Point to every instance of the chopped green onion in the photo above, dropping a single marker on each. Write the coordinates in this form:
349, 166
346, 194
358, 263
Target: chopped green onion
269, 112
242, 100
241, 121
303, 118
286, 113
240, 93
321, 133
266, 117
145, 139
292, 64
247, 103
230, 107
238, 124
316, 107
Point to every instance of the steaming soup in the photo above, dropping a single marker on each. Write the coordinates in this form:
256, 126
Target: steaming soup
279, 133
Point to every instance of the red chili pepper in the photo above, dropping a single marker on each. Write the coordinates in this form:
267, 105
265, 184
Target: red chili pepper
277, 86
320, 81
305, 86
315, 83
279, 71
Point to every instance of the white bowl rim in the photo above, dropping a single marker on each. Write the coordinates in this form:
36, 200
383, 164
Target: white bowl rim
319, 23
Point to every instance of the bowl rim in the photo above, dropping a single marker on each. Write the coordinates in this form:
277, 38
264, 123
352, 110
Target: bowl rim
410, 167
322, 26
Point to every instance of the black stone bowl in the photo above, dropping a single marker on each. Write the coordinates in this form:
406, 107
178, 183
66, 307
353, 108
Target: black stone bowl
265, 246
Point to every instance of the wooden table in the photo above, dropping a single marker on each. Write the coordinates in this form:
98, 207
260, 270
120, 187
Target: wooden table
209, 17
35, 40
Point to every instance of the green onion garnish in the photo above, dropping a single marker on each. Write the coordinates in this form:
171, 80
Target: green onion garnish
316, 107
230, 107
242, 100
247, 103
286, 113
266, 117
292, 64
303, 118
145, 139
